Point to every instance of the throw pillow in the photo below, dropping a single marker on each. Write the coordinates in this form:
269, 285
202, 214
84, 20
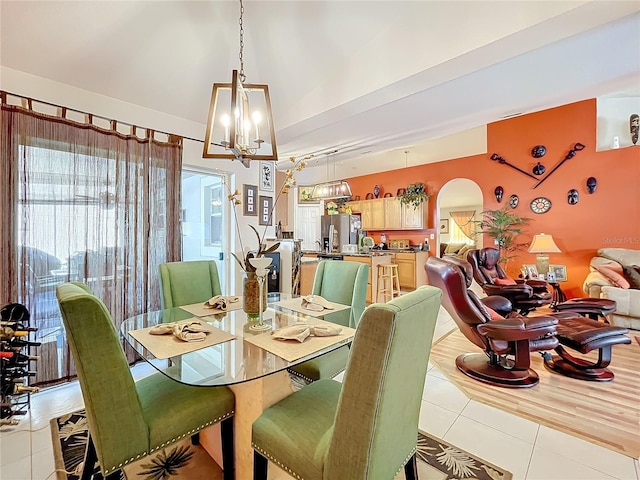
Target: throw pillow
493, 314
614, 277
504, 281
632, 274
462, 253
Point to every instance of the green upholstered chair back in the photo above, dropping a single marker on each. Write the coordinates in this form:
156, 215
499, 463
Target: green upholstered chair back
185, 283
345, 283
113, 408
375, 429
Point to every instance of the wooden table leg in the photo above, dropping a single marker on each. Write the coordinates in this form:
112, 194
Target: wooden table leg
251, 399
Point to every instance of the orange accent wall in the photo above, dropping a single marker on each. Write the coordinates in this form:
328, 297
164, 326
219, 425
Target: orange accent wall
608, 218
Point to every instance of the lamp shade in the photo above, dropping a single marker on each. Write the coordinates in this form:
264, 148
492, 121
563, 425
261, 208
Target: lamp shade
543, 243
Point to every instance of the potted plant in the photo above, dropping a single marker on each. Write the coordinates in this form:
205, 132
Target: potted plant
503, 225
414, 195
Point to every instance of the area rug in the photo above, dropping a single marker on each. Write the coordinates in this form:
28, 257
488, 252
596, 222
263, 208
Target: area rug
437, 459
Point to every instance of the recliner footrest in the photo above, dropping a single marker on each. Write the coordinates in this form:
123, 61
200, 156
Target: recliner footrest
587, 306
584, 335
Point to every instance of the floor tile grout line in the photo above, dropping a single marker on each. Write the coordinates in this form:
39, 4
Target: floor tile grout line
533, 450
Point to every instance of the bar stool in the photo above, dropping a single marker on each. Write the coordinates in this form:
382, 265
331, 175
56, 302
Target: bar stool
388, 282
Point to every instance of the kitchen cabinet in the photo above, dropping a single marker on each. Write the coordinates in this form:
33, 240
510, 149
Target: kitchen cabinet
411, 271
372, 214
307, 274
355, 206
372, 280
391, 214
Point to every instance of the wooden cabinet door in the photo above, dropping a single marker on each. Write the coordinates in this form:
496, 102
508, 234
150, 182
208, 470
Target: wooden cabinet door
354, 206
392, 214
377, 214
366, 216
415, 218
406, 270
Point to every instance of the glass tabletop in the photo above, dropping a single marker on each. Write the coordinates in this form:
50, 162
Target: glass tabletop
231, 362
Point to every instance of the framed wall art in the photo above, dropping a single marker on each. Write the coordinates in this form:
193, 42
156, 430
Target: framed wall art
265, 206
444, 226
304, 194
267, 176
560, 271
250, 200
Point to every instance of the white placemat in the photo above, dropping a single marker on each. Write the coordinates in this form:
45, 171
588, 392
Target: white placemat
292, 350
166, 346
199, 310
295, 304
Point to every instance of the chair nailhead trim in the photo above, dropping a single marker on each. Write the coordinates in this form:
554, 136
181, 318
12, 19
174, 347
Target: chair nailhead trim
284, 467
413, 450
144, 454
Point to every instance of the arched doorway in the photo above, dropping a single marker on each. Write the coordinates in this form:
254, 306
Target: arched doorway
457, 195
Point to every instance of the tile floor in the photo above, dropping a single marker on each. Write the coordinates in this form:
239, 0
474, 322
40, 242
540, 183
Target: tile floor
529, 450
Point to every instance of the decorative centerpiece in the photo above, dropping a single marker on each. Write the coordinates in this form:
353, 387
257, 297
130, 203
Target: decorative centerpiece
261, 265
415, 194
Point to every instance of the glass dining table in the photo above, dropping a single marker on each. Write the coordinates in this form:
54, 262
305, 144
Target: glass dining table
257, 376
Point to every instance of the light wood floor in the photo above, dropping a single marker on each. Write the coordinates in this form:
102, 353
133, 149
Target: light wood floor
607, 414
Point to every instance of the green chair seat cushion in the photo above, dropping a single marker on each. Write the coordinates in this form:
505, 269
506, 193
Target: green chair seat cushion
173, 410
298, 428
326, 366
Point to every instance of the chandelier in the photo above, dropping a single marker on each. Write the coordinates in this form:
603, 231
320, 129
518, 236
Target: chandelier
331, 189
240, 124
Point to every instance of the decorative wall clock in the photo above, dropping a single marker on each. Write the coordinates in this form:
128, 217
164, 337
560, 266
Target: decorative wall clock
540, 205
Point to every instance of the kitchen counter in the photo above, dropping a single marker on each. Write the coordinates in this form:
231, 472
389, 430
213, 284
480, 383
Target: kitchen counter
312, 255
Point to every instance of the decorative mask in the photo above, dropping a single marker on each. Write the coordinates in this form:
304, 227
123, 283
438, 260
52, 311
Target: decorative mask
498, 192
572, 196
538, 152
592, 183
634, 127
539, 169
513, 201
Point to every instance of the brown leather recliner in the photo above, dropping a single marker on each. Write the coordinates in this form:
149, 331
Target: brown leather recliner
507, 342
523, 295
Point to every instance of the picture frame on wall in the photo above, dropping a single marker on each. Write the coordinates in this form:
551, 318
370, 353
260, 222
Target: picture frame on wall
444, 225
250, 200
267, 176
531, 271
304, 194
560, 272
265, 207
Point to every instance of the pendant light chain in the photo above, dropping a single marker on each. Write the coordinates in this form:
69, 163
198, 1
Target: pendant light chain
242, 75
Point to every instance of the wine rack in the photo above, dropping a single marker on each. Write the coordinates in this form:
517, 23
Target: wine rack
17, 363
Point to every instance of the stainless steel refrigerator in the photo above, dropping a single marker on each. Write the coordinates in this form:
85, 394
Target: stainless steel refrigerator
346, 227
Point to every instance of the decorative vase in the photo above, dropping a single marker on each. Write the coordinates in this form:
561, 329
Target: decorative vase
251, 296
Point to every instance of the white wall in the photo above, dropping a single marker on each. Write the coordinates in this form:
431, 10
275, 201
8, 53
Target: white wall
43, 89
613, 121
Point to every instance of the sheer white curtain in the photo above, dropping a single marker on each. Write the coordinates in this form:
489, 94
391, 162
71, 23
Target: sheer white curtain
87, 204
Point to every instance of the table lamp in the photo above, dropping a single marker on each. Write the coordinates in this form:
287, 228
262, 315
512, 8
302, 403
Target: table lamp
541, 245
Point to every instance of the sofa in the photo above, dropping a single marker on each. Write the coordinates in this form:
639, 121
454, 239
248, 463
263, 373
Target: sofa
615, 274
455, 249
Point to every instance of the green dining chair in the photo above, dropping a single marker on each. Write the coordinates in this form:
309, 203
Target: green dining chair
129, 420
339, 282
367, 427
186, 283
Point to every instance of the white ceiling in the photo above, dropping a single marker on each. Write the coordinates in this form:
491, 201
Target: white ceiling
372, 79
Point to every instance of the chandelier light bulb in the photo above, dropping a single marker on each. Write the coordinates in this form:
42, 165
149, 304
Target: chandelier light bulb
225, 122
257, 118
